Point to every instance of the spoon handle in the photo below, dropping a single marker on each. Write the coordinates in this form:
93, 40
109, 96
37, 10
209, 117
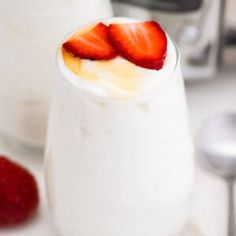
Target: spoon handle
231, 217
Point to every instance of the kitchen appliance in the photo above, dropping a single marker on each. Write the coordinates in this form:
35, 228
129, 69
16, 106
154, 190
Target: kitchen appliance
194, 24
229, 33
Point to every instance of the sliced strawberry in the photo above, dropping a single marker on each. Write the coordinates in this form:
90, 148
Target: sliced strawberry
93, 44
143, 43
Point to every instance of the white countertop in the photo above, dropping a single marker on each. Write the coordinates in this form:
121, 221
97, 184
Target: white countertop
209, 207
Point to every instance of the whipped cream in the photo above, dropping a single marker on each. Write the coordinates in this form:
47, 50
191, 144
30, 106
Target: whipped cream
120, 166
117, 78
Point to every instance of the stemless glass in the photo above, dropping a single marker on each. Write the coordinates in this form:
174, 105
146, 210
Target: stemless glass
119, 167
29, 31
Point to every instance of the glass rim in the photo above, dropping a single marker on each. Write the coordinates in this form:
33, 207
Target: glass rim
66, 78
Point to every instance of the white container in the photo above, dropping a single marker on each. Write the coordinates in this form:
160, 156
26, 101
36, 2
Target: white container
30, 31
119, 167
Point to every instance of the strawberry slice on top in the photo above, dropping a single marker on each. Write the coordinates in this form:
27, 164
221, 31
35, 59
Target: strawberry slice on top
143, 43
93, 44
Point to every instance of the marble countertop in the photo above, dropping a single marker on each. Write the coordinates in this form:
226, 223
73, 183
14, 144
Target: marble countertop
209, 206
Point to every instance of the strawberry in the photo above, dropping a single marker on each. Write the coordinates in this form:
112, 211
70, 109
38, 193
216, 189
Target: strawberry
18, 193
93, 44
143, 43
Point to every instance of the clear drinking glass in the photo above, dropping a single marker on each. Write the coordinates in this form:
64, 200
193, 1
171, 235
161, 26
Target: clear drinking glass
119, 167
30, 31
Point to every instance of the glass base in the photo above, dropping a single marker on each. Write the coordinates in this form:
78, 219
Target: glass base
14, 145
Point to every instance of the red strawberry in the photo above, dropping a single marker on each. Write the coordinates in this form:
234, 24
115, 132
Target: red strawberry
93, 44
18, 193
143, 43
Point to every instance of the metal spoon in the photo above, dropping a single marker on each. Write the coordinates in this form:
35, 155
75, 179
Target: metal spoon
217, 143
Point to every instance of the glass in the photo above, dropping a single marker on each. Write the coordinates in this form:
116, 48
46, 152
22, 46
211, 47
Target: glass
31, 29
119, 167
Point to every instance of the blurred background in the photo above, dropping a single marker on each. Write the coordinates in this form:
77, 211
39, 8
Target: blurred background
205, 32
203, 29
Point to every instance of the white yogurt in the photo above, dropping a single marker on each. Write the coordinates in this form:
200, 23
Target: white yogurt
120, 165
29, 31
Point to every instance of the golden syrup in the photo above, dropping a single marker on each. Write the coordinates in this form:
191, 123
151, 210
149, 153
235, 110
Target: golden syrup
74, 64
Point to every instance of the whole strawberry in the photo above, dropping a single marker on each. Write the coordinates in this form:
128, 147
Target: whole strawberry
19, 196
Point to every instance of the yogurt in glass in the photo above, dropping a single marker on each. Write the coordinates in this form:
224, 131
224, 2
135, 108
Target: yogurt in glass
119, 157
29, 31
